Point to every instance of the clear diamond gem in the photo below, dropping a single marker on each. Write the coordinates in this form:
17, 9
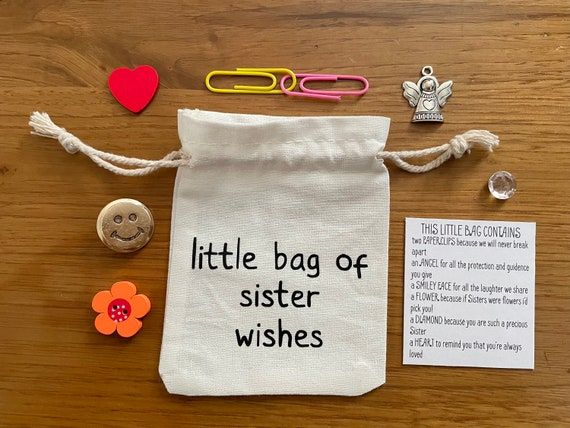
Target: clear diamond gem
502, 185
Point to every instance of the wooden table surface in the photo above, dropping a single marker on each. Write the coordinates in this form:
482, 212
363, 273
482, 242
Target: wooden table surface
510, 64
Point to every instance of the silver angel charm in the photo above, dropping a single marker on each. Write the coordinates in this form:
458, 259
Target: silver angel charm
427, 96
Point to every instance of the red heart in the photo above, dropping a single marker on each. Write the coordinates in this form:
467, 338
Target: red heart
134, 89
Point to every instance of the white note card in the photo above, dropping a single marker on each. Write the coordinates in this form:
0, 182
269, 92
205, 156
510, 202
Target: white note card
469, 293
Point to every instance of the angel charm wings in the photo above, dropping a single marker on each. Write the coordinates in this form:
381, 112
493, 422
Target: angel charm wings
428, 96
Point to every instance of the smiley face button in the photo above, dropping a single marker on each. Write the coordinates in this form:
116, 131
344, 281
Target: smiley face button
125, 225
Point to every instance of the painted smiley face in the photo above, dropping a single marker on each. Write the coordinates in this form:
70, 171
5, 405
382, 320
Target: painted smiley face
125, 225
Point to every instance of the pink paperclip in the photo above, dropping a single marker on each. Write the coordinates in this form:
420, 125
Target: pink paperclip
293, 93
334, 78
323, 94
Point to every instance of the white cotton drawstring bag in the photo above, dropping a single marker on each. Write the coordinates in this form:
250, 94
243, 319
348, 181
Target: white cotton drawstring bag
278, 267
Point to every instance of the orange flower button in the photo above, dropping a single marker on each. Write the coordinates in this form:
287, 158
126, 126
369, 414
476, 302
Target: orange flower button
120, 309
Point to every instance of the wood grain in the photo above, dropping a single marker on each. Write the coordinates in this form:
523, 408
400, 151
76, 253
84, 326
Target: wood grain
510, 64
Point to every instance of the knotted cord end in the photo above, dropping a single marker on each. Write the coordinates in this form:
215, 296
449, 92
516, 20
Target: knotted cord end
465, 142
43, 126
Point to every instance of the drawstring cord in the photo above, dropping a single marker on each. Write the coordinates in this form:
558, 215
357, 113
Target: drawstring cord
456, 147
44, 127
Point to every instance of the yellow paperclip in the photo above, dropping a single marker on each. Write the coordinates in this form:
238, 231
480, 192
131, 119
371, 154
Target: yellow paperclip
241, 89
248, 89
